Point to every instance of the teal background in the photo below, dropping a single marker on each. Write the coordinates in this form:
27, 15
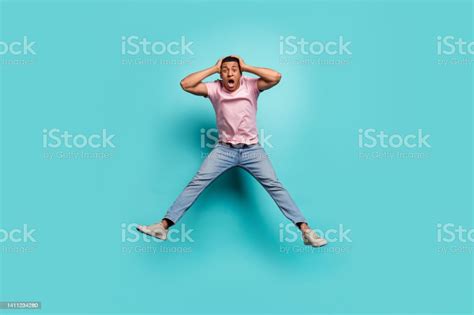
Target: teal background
392, 83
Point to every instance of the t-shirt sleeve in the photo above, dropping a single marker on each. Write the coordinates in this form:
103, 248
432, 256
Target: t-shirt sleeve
212, 89
252, 84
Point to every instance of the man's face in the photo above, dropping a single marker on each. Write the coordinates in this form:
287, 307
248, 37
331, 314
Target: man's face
230, 75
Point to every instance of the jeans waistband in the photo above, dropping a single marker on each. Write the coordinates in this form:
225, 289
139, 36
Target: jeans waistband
237, 145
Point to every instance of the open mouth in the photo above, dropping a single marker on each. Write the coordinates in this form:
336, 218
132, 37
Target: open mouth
231, 83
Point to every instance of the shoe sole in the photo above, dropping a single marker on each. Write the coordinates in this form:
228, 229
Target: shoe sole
309, 244
150, 234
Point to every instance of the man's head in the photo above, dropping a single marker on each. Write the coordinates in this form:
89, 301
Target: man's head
231, 73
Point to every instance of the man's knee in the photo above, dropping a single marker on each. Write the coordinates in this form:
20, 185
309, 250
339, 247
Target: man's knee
271, 182
203, 177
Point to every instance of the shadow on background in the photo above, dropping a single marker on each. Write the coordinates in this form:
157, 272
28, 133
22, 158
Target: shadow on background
235, 185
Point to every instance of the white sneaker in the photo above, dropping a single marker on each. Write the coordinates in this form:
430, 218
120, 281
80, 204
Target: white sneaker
311, 238
156, 230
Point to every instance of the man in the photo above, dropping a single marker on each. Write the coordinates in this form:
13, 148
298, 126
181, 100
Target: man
234, 99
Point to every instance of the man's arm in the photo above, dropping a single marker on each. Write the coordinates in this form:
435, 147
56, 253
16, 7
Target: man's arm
193, 82
268, 77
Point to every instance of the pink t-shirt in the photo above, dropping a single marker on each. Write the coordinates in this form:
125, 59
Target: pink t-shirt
236, 112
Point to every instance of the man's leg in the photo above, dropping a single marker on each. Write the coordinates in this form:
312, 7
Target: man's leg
256, 162
218, 161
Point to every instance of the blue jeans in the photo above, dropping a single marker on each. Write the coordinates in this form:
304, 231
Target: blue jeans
223, 157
